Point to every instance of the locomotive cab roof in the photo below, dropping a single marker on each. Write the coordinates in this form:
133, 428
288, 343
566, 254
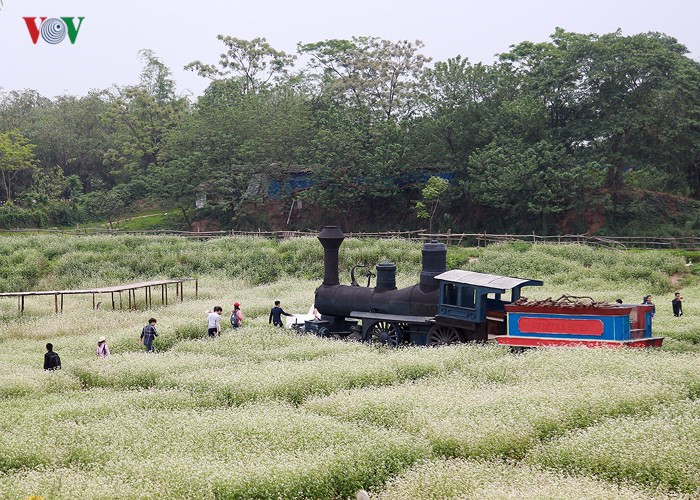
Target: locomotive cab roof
491, 282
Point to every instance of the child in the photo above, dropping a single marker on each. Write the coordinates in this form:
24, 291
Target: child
236, 316
214, 321
102, 348
51, 359
148, 334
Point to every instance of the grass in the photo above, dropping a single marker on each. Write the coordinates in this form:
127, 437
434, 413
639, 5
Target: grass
659, 450
144, 221
532, 400
476, 479
265, 413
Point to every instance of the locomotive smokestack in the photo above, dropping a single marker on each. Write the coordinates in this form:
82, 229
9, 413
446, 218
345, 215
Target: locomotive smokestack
330, 237
386, 276
434, 263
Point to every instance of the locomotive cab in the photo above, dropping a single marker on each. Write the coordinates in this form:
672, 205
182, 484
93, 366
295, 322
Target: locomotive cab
474, 303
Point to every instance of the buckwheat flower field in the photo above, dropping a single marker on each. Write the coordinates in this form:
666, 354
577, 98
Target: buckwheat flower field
262, 412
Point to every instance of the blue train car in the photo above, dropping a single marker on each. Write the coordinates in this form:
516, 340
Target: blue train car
562, 323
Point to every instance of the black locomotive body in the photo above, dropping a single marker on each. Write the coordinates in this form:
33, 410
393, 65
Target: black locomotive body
393, 316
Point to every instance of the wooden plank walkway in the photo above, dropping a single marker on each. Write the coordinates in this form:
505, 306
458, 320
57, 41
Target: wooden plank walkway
130, 288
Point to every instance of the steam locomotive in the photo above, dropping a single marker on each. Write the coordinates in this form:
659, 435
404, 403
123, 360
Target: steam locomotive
448, 307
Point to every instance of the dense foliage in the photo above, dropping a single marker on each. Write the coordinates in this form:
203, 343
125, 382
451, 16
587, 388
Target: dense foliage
582, 132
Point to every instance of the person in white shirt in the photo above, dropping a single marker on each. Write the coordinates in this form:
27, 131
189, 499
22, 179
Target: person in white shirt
214, 321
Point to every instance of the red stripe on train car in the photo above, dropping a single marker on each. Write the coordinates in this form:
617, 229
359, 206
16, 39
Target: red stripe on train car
561, 326
549, 342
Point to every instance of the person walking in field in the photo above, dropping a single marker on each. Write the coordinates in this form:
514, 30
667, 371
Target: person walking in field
677, 304
214, 322
148, 334
236, 316
276, 314
102, 348
52, 360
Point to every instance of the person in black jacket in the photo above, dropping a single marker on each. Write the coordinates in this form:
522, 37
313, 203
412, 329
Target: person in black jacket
51, 359
276, 314
677, 304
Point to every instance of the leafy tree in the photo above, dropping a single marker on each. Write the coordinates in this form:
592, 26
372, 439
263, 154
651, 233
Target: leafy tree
520, 182
463, 109
612, 97
16, 108
255, 63
379, 75
110, 205
156, 77
140, 117
16, 156
432, 193
70, 133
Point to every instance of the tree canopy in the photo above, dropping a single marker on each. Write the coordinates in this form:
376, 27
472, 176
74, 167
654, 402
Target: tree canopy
579, 132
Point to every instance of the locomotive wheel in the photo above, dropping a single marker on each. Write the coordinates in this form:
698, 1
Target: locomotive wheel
385, 333
443, 335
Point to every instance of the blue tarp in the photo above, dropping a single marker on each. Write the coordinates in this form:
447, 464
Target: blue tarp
302, 180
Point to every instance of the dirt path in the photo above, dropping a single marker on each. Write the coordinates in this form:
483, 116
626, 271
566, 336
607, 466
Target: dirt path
676, 279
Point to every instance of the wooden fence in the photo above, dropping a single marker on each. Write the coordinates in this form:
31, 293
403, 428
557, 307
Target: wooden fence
459, 239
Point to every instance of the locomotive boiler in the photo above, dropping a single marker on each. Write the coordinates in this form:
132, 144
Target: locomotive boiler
447, 307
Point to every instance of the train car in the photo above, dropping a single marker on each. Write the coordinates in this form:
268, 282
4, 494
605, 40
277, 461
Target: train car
578, 321
448, 307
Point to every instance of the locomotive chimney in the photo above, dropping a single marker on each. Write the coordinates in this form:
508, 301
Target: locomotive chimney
386, 276
434, 263
330, 237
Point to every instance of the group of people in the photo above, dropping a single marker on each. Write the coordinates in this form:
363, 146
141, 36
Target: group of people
676, 304
236, 318
52, 361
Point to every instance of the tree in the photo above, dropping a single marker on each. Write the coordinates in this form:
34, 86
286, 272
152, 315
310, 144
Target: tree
156, 77
16, 108
519, 182
177, 180
379, 75
462, 109
432, 193
71, 133
140, 117
615, 98
16, 156
254, 62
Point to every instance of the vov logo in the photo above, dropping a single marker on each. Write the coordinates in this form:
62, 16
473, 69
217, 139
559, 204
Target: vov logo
54, 29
